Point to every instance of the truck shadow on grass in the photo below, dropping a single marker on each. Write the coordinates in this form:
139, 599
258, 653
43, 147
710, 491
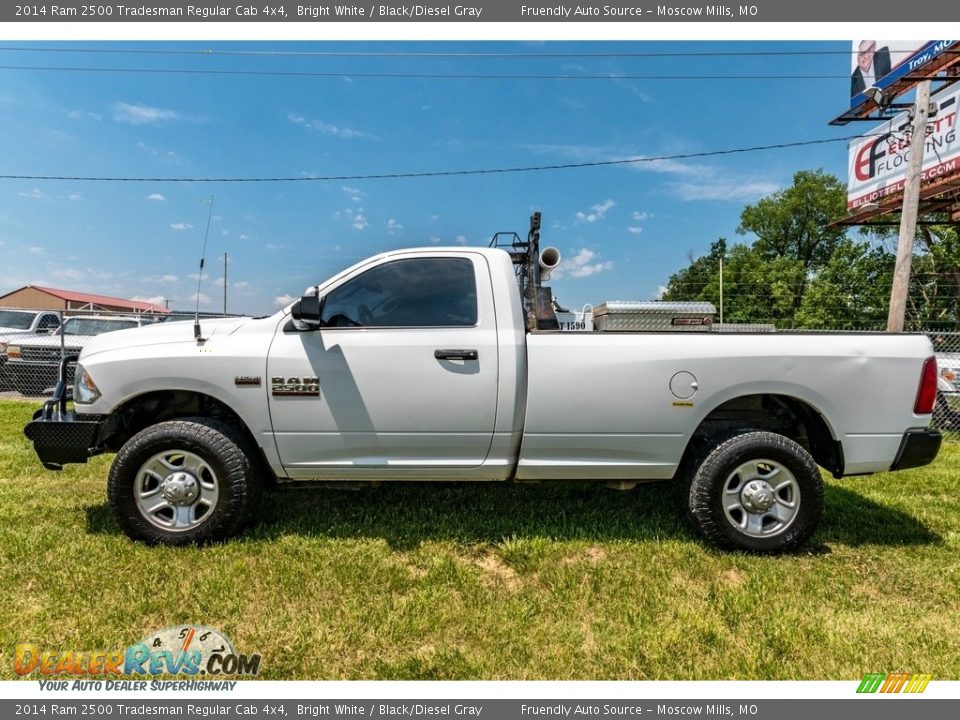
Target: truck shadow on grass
408, 514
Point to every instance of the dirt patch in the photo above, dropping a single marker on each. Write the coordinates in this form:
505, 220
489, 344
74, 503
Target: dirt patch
733, 577
495, 570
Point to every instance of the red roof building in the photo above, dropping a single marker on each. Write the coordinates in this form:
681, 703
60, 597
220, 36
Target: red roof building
35, 297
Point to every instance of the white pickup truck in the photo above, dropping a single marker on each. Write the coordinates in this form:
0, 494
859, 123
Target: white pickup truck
422, 365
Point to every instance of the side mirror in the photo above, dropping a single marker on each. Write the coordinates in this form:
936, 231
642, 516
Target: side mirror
307, 310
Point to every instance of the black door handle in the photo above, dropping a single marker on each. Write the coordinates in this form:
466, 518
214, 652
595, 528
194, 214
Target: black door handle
456, 354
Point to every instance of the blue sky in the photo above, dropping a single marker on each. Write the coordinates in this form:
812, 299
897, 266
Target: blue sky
622, 230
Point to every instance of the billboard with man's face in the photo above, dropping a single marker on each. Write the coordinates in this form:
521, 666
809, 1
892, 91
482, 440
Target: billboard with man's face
880, 63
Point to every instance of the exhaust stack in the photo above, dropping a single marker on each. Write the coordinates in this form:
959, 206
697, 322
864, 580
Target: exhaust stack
549, 260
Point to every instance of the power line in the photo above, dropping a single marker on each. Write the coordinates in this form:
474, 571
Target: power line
211, 52
407, 76
439, 173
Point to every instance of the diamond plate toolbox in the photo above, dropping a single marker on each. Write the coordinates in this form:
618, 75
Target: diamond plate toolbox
653, 316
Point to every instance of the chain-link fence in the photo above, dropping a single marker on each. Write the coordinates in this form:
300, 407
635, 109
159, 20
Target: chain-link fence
33, 342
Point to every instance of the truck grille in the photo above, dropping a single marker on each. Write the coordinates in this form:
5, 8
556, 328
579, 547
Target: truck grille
42, 354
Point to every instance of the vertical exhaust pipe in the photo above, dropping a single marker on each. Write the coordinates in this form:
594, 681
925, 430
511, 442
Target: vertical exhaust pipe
549, 260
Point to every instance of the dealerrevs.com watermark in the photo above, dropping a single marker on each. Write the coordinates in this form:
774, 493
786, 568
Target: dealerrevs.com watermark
195, 651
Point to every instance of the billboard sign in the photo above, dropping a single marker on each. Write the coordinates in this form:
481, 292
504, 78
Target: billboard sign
882, 63
877, 162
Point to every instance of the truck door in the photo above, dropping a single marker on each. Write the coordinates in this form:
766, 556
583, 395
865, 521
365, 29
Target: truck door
401, 374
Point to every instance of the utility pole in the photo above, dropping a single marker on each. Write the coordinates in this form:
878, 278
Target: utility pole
224, 284
721, 289
908, 214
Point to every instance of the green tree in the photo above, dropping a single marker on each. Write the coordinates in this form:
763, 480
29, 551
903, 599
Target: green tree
700, 280
795, 224
851, 291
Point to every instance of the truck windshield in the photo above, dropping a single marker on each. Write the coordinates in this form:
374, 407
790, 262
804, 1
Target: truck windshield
95, 326
16, 319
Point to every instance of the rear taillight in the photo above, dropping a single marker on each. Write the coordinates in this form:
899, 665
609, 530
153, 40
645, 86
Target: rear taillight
927, 394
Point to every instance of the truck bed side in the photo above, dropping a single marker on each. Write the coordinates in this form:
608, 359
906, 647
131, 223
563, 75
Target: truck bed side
599, 405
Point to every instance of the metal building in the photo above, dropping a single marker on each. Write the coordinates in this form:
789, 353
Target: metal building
35, 297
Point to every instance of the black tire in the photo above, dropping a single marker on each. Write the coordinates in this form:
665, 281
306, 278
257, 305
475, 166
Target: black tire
227, 467
739, 476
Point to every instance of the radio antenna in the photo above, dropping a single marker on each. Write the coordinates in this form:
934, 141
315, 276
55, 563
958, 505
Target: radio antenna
203, 255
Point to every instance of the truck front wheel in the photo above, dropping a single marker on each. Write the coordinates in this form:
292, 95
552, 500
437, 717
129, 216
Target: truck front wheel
184, 481
757, 491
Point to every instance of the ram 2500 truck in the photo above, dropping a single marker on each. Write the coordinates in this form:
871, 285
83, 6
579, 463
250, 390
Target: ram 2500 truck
429, 364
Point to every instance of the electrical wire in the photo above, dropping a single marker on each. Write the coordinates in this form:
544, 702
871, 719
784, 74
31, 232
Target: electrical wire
211, 52
437, 173
405, 75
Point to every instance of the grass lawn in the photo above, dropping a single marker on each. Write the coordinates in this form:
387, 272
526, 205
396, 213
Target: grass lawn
494, 581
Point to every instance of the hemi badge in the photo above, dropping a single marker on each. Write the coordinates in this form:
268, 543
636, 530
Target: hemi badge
247, 380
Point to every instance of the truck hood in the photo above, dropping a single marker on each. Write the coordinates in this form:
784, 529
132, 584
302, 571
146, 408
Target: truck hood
161, 334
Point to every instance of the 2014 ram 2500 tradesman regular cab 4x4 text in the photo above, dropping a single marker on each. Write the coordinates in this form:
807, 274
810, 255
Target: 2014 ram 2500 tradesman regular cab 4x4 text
430, 365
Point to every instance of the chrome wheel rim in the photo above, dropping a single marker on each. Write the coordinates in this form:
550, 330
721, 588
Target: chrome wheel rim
761, 498
176, 490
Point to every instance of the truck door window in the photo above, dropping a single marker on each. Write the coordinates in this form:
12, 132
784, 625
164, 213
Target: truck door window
48, 322
419, 292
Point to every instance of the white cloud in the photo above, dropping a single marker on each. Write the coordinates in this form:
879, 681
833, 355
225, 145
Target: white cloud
244, 237
596, 212
581, 265
154, 300
352, 191
641, 216
35, 194
204, 299
35, 250
359, 221
155, 197
142, 114
168, 157
327, 128
83, 115
434, 239
633, 229
168, 278
242, 285
283, 300
461, 240
181, 226
71, 274
74, 196
393, 227
661, 291
723, 188
196, 276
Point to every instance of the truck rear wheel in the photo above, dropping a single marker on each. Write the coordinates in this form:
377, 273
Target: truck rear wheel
757, 491
184, 481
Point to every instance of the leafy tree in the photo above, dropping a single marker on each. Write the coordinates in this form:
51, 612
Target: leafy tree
802, 271
851, 291
794, 224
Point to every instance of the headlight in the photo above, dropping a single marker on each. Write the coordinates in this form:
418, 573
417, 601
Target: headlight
85, 390
13, 351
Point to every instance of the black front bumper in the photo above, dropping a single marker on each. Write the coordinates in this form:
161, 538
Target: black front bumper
59, 435
919, 447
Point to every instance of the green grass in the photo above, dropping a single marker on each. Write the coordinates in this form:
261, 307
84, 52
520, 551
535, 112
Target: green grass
494, 581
